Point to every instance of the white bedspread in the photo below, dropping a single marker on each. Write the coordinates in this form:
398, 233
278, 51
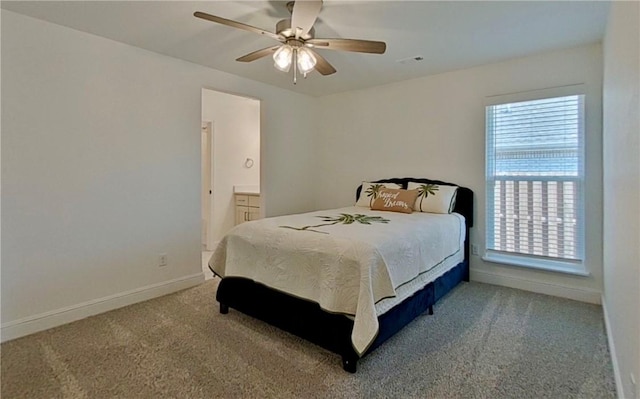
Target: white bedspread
342, 264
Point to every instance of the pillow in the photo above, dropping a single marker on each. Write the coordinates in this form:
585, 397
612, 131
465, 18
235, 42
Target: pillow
370, 192
393, 200
434, 198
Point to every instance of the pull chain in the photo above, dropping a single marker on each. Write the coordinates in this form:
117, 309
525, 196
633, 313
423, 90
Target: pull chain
295, 65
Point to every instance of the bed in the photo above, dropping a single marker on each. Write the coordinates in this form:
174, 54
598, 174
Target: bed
346, 279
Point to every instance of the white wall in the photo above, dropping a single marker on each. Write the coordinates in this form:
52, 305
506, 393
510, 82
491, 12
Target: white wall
236, 132
621, 136
434, 127
101, 170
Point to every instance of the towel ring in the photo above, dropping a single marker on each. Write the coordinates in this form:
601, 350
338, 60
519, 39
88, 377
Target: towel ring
248, 163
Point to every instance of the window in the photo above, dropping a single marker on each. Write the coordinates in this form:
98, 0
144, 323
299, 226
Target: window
535, 179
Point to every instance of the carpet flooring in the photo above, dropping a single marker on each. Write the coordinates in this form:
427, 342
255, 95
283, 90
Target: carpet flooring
483, 341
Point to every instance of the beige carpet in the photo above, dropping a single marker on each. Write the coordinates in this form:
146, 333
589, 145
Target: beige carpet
483, 342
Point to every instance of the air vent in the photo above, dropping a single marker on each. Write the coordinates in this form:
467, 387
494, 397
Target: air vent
411, 60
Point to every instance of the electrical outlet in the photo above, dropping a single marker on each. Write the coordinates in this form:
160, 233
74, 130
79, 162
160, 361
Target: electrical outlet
474, 249
162, 260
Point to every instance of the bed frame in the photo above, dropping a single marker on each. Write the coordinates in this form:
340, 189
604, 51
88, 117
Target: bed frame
333, 331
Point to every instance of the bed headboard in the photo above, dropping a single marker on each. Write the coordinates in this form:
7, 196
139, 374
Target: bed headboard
464, 196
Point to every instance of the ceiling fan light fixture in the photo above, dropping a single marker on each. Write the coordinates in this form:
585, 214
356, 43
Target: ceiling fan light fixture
297, 36
282, 58
306, 60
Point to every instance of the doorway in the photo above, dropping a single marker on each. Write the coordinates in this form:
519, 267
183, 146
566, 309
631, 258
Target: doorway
230, 138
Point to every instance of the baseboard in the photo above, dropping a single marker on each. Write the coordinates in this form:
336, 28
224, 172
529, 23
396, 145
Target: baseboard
577, 294
612, 351
43, 321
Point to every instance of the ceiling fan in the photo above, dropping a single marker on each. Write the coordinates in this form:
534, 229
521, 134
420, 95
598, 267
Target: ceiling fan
297, 38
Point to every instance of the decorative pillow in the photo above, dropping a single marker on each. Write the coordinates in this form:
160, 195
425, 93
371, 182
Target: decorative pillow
434, 198
394, 200
370, 192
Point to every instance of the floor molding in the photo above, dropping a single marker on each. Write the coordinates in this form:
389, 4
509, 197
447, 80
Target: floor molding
612, 351
43, 321
577, 294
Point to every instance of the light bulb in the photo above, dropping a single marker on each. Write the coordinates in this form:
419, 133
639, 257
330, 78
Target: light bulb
282, 58
306, 60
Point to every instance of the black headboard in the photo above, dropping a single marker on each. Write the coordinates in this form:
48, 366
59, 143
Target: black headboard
464, 196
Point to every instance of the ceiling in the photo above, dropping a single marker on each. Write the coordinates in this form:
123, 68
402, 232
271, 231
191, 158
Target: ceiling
449, 35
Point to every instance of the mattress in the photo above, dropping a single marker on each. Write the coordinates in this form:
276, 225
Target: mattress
353, 260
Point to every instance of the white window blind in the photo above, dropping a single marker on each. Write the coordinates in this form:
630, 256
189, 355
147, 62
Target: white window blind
535, 178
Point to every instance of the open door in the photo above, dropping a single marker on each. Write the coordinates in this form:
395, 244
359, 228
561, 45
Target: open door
207, 185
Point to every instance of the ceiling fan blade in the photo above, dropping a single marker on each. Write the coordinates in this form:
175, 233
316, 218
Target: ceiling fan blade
359, 46
258, 54
304, 15
322, 65
236, 24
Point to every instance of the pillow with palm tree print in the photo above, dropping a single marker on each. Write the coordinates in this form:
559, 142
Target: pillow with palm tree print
434, 198
371, 191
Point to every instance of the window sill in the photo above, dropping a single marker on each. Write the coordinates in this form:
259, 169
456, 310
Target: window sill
576, 269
